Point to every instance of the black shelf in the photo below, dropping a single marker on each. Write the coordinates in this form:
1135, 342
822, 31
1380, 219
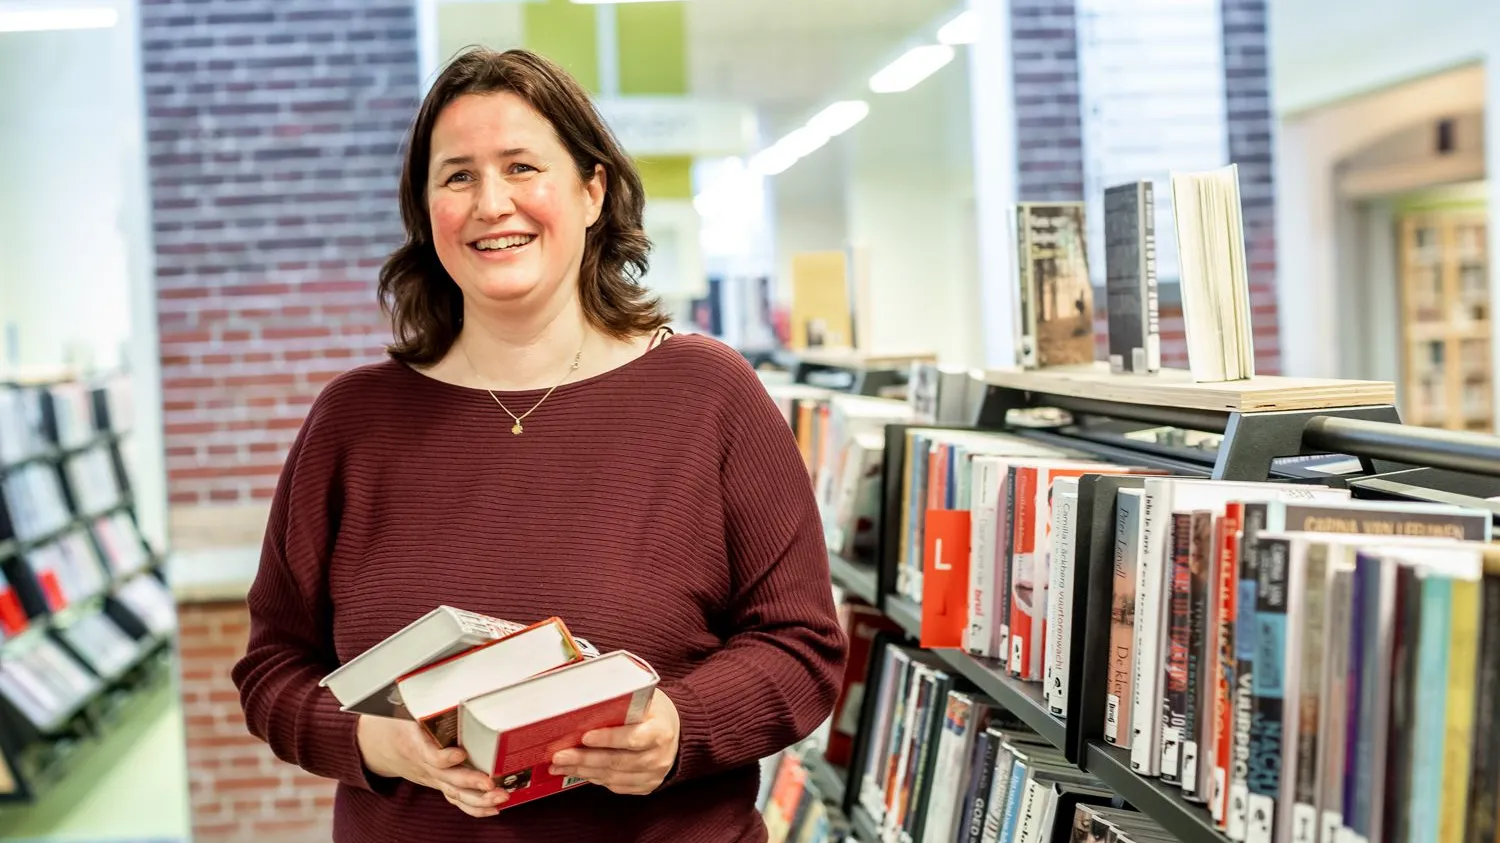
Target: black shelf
905, 613
857, 578
55, 454
1161, 802
830, 781
1023, 699
865, 829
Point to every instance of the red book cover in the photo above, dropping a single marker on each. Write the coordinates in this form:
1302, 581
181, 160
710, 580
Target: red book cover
1230, 525
52, 590
945, 578
1023, 570
523, 755
860, 625
13, 619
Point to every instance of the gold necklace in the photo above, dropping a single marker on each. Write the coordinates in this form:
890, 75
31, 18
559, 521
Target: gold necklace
516, 429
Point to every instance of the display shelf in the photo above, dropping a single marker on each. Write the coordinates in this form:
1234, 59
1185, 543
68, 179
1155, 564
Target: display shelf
1175, 388
830, 781
77, 522
857, 578
865, 829
1161, 802
57, 454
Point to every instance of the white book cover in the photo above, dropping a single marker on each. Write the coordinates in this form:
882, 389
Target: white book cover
984, 534
1060, 593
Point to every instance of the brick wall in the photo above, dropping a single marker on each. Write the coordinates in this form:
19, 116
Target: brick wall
1248, 98
273, 130
239, 791
1049, 132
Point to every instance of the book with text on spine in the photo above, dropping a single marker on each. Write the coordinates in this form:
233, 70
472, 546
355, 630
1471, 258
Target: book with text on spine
512, 733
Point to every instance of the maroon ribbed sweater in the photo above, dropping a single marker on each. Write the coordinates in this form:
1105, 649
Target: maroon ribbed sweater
661, 507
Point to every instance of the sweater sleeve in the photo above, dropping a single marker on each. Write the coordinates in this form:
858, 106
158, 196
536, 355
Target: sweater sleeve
777, 675
291, 637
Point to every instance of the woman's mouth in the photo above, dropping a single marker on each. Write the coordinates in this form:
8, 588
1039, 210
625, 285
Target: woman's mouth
508, 243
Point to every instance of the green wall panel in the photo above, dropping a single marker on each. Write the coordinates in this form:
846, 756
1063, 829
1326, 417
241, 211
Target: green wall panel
565, 33
653, 48
666, 176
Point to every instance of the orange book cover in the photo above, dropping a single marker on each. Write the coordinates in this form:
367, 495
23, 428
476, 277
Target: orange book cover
1223, 663
1023, 574
12, 616
945, 578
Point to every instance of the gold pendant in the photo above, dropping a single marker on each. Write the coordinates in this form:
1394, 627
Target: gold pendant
516, 428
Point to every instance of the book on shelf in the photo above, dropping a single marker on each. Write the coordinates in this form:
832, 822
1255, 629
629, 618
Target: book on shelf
1055, 295
1215, 279
510, 695
796, 812
861, 624
43, 682
1130, 277
148, 600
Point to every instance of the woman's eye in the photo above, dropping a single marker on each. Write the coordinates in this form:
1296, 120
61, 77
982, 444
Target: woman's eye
459, 177
522, 168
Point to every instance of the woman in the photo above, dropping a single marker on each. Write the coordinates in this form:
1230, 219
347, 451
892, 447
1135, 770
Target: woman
536, 445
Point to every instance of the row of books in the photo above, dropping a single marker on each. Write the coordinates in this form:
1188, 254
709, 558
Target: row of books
92, 479
1308, 665
795, 811
501, 690
37, 419
48, 672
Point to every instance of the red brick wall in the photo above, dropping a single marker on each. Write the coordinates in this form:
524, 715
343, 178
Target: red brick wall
239, 791
273, 130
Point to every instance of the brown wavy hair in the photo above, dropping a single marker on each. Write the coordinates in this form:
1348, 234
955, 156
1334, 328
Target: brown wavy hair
421, 299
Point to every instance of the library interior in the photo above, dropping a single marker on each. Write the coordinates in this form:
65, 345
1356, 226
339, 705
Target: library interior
1130, 361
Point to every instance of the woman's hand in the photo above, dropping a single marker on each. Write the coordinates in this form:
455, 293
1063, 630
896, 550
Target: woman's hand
401, 749
632, 759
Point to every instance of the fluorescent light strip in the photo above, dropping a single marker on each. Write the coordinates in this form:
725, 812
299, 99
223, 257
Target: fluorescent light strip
838, 117
963, 29
43, 20
912, 67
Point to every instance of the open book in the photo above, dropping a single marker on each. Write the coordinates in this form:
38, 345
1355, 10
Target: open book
1214, 278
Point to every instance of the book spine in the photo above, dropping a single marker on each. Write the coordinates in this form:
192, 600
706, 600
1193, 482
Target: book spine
1236, 824
1150, 630
1059, 625
1484, 783
1175, 670
1305, 803
999, 800
1200, 554
1335, 702
1006, 566
1227, 584
981, 778
1432, 686
1117, 710
1027, 354
1020, 785
1463, 652
1023, 588
1150, 309
1401, 734
1266, 739
982, 557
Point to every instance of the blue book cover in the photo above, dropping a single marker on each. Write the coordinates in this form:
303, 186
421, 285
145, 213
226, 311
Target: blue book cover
1264, 779
1429, 725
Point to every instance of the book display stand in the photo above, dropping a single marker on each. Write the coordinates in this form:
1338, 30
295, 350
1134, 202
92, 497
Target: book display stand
86, 619
1344, 434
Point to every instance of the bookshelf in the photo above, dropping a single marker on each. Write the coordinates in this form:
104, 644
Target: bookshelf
1381, 459
83, 599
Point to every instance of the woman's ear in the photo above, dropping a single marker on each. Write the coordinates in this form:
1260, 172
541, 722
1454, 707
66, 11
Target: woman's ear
595, 187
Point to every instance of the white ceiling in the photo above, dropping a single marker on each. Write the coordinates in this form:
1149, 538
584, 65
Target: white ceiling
786, 56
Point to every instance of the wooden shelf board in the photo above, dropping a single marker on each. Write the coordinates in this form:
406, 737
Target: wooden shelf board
1175, 388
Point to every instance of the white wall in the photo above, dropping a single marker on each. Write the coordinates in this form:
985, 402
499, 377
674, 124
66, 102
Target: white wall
1328, 50
75, 235
1308, 149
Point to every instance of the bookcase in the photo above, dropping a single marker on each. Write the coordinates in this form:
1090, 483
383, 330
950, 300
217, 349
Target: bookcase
1445, 319
1338, 434
86, 620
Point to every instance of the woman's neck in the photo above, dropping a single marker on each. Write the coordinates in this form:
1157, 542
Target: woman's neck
500, 352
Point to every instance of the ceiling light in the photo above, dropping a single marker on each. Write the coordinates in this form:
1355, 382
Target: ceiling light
963, 29
912, 67
772, 160
838, 117
38, 19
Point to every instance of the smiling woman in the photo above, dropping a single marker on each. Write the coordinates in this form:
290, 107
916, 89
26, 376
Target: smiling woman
657, 503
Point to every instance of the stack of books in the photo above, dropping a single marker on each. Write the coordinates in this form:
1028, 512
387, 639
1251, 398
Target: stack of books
511, 696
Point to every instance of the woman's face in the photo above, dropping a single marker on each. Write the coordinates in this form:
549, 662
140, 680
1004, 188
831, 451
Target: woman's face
509, 211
